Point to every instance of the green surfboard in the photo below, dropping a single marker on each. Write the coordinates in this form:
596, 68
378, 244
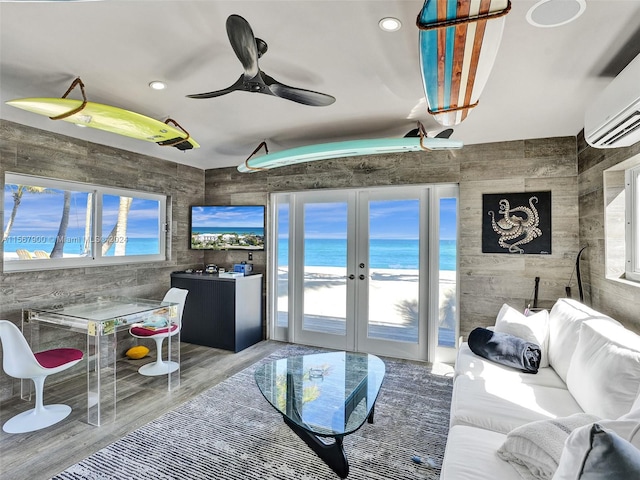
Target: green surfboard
325, 151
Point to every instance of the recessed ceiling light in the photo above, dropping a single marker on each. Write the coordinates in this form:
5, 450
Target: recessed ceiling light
390, 24
158, 85
553, 13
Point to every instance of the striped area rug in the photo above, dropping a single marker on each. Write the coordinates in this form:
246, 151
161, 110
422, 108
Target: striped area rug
230, 432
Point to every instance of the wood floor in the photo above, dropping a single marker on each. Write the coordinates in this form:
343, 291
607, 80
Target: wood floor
42, 454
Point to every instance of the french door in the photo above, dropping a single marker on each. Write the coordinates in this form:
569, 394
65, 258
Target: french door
354, 269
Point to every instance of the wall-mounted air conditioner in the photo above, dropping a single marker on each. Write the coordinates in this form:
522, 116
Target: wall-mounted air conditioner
613, 118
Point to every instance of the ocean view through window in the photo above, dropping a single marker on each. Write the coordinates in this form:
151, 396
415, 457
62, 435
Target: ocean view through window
385, 253
396, 254
52, 223
372, 269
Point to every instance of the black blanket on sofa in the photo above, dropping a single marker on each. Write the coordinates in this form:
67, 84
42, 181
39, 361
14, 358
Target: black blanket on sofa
505, 349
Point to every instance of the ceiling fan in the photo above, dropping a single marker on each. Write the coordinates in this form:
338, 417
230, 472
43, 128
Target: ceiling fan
249, 49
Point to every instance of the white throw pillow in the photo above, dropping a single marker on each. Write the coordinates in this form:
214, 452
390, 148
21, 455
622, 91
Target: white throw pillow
534, 328
565, 319
604, 373
534, 449
594, 452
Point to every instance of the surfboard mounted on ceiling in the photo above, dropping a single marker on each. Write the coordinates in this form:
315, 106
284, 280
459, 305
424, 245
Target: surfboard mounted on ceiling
459, 41
351, 148
108, 118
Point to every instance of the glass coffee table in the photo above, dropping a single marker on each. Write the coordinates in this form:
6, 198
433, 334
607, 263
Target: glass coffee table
323, 396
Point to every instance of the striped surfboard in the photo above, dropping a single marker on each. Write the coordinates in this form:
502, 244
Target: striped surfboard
459, 41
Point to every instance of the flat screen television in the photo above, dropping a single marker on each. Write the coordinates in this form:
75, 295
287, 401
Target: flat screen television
227, 227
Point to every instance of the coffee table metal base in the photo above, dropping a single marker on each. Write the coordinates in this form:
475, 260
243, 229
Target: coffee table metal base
330, 453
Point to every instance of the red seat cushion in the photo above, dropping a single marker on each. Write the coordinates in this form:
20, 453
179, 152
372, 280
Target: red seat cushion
147, 332
58, 356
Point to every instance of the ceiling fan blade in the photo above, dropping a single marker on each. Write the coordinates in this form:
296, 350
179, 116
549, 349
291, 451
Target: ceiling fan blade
299, 95
445, 133
236, 86
244, 44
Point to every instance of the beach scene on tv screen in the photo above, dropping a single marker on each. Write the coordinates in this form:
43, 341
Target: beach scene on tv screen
227, 227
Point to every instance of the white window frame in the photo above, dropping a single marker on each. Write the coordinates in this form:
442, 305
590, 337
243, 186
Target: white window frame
632, 224
96, 259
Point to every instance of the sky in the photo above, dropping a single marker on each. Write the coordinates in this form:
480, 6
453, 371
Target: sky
389, 219
40, 213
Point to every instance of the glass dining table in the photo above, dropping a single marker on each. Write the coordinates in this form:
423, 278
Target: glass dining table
100, 319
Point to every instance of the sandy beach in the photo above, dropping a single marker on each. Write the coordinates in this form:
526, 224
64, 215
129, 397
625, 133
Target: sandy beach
393, 293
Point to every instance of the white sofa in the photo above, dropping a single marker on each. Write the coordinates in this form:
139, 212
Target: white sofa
594, 368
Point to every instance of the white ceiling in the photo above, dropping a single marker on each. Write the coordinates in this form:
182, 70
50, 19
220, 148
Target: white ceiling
542, 81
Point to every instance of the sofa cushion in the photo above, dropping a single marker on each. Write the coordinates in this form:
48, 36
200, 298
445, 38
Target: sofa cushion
533, 329
502, 406
595, 453
604, 374
534, 449
565, 319
471, 454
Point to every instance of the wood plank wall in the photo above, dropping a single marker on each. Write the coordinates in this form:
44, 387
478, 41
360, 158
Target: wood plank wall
31, 151
617, 299
486, 280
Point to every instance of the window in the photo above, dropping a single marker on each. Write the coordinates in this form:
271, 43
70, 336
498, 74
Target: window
58, 224
622, 221
632, 223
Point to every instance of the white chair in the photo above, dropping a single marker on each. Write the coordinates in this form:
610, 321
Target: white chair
19, 361
160, 367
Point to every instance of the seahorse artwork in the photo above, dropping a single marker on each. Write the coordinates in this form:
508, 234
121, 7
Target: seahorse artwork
517, 226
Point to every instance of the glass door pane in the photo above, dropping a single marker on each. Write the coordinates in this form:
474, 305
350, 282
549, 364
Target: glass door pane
325, 268
447, 272
394, 263
282, 266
